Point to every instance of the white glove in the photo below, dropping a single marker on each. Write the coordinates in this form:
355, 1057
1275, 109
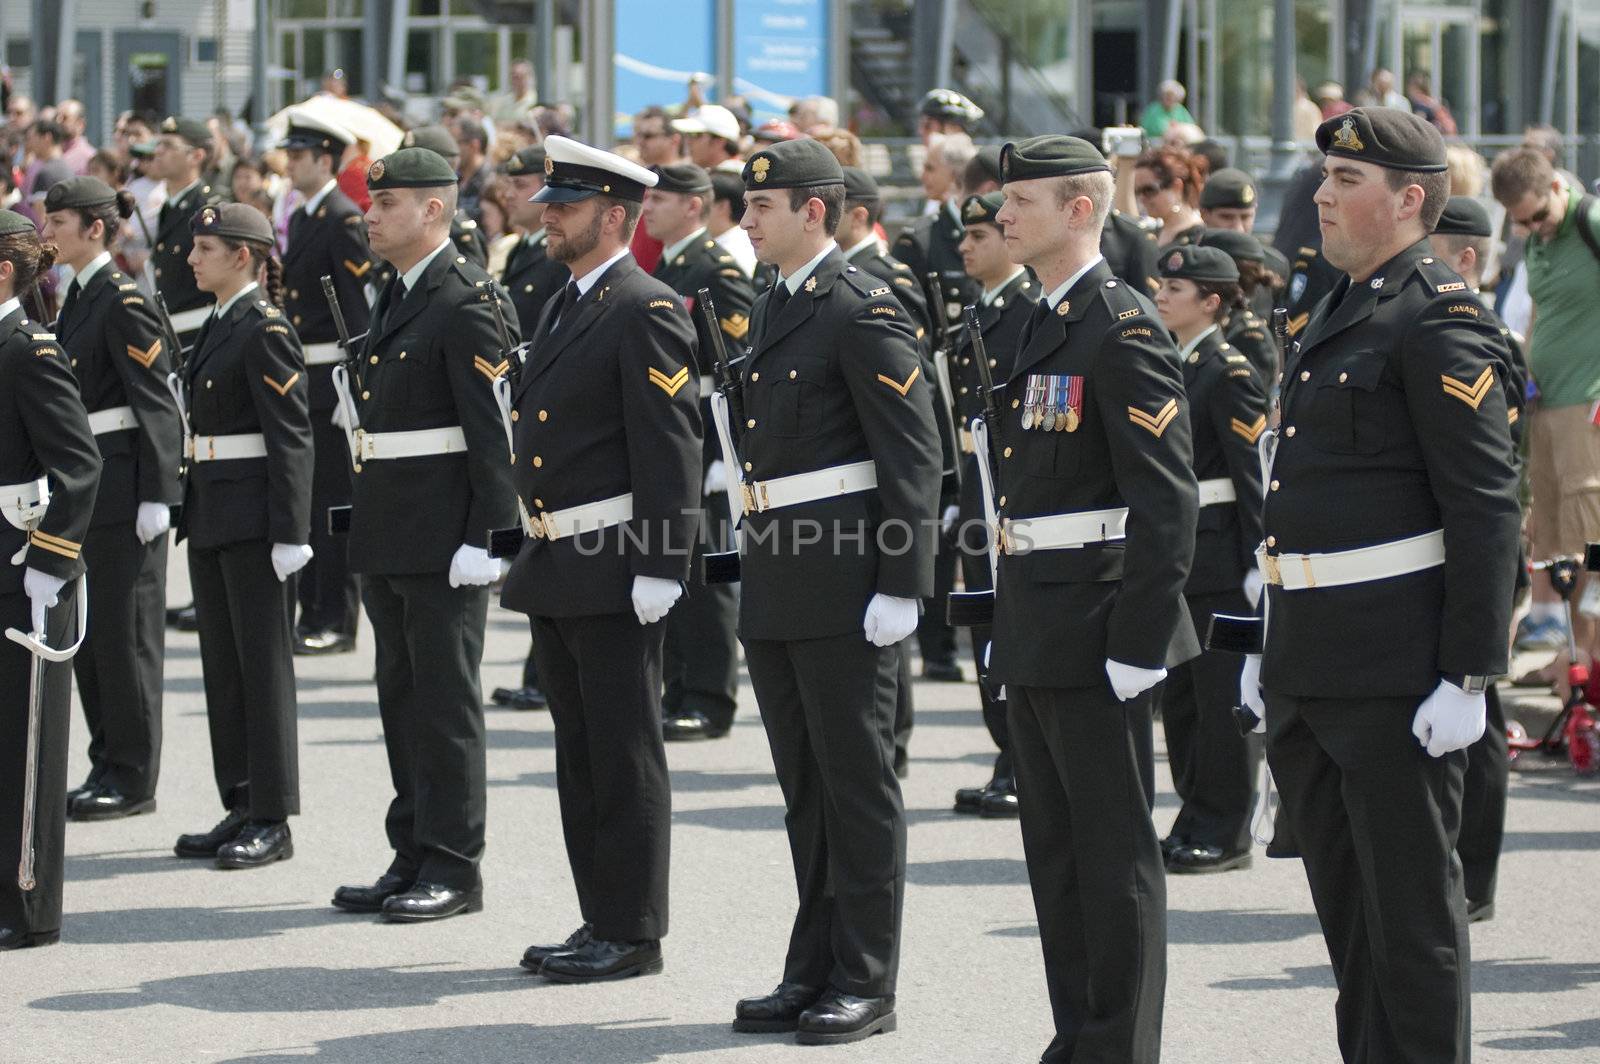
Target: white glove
1130, 681
1252, 586
289, 558
653, 597
152, 520
889, 620
1250, 690
472, 567
947, 520
1449, 719
340, 418
716, 478
43, 591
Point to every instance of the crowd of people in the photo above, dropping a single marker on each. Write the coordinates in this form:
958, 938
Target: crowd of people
1096, 409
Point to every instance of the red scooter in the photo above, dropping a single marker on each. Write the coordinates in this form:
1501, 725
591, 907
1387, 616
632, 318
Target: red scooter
1574, 732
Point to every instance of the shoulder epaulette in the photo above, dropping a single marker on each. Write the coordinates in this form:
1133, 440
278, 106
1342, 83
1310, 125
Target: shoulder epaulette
1440, 278
1235, 359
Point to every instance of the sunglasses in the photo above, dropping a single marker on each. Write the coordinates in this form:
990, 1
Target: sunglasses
1146, 191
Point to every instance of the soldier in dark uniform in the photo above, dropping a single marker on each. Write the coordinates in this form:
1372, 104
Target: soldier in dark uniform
247, 516
121, 363
700, 657
531, 278
464, 232
1213, 766
1298, 243
1228, 201
839, 437
1391, 541
609, 472
433, 477
1129, 248
182, 149
1245, 331
1097, 511
326, 239
1009, 296
44, 436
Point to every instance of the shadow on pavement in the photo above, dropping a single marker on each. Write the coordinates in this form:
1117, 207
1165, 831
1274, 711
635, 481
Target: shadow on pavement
114, 863
969, 872
1231, 927
1538, 841
196, 924
1580, 1034
1531, 976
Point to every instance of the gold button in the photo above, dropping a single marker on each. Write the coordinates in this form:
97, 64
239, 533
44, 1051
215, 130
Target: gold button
793, 374
992, 363
373, 360
402, 354
1002, 500
750, 424
74, 362
161, 247
297, 319
1274, 485
538, 504
1305, 374
1343, 377
1289, 431
366, 395
527, 288
1272, 541
963, 389
158, 271
208, 384
294, 293
747, 467
461, 258
516, 415
1015, 403
1427, 262
1008, 452
537, 462
358, 467
755, 377
544, 415
966, 361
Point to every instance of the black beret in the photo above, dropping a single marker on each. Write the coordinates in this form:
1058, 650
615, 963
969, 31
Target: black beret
1240, 247
1050, 156
79, 193
12, 223
686, 179
410, 168
792, 164
1384, 136
950, 105
1199, 263
980, 210
526, 161
233, 221
434, 138
860, 185
196, 132
1463, 216
1228, 188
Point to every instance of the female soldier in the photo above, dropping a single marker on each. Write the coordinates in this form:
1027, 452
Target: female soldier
247, 513
1244, 329
1212, 763
44, 435
114, 341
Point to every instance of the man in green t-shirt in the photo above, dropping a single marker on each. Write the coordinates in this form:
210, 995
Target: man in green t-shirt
1563, 263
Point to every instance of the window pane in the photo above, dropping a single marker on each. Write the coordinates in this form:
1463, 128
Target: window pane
425, 8
478, 57
421, 55
305, 8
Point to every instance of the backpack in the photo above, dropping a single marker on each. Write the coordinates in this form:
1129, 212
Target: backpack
1585, 227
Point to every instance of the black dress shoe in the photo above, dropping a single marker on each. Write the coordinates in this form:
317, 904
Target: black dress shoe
969, 799
364, 898
533, 957
774, 1012
1199, 860
10, 939
88, 786
183, 619
1170, 844
209, 843
431, 901
326, 641
840, 1018
690, 725
597, 961
999, 804
942, 672
107, 803
175, 614
1479, 911
519, 697
260, 843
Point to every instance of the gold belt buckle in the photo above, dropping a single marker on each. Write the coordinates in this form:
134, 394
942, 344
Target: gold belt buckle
1269, 562
1311, 577
1001, 538
748, 498
968, 444
365, 448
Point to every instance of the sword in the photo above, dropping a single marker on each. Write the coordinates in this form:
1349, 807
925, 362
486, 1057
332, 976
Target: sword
341, 371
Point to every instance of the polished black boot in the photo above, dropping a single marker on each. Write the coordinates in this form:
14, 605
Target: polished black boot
207, 844
597, 961
431, 901
104, 802
369, 898
261, 842
519, 697
533, 957
1201, 860
775, 1012
840, 1018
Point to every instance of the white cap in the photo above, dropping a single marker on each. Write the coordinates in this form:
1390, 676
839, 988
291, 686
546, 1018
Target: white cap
304, 118
575, 171
709, 118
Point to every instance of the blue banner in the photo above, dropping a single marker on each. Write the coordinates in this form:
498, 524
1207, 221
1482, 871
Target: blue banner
780, 52
658, 47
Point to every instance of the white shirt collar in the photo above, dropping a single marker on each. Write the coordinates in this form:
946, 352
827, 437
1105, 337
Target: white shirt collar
1188, 348
672, 252
321, 194
796, 279
87, 274
851, 252
1055, 297
184, 191
9, 307
223, 308
413, 275
990, 293
587, 281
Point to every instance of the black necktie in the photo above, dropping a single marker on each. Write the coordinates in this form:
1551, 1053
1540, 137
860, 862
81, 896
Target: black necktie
297, 221
1040, 315
569, 300
71, 300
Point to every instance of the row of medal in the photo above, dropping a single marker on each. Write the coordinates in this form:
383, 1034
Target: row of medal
1052, 402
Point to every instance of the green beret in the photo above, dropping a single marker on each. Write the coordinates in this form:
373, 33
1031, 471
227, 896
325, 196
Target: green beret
12, 223
1463, 216
792, 164
233, 221
1240, 247
526, 161
980, 210
860, 185
192, 130
434, 138
1275, 260
1052, 155
1384, 136
410, 168
79, 193
988, 158
1228, 188
686, 179
1199, 263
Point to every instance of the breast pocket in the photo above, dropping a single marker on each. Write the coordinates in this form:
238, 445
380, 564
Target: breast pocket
796, 398
1352, 407
1053, 455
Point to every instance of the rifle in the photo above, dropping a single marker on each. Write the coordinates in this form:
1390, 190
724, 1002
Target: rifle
976, 608
167, 331
339, 516
727, 412
946, 412
1280, 335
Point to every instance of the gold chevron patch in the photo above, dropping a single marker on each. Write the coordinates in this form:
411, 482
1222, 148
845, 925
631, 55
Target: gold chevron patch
1472, 394
1298, 322
56, 545
672, 384
903, 389
736, 326
359, 271
491, 370
1252, 431
145, 358
1512, 416
281, 389
1156, 423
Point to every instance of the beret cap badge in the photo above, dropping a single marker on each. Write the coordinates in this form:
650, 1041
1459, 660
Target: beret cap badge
375, 173
760, 167
170, 125
1345, 136
1175, 260
549, 165
1247, 195
208, 216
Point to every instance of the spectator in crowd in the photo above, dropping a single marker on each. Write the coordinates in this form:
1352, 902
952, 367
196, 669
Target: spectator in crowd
76, 149
1381, 90
814, 112
1466, 168
1307, 115
712, 135
44, 142
1183, 136
220, 156
722, 222
335, 84
773, 131
494, 221
942, 166
845, 145
107, 167
1419, 91
20, 111
9, 192
1330, 99
472, 166
1563, 272
353, 174
1546, 140
1165, 109
1167, 184
658, 144
511, 107
1214, 153
132, 128
248, 184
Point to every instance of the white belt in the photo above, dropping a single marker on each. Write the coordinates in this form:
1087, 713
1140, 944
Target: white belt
418, 443
115, 419
22, 505
1219, 490
1296, 572
323, 354
227, 448
763, 495
590, 517
190, 320
1062, 531
708, 385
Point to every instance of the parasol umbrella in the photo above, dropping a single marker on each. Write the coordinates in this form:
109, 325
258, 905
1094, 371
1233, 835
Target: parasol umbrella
358, 118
